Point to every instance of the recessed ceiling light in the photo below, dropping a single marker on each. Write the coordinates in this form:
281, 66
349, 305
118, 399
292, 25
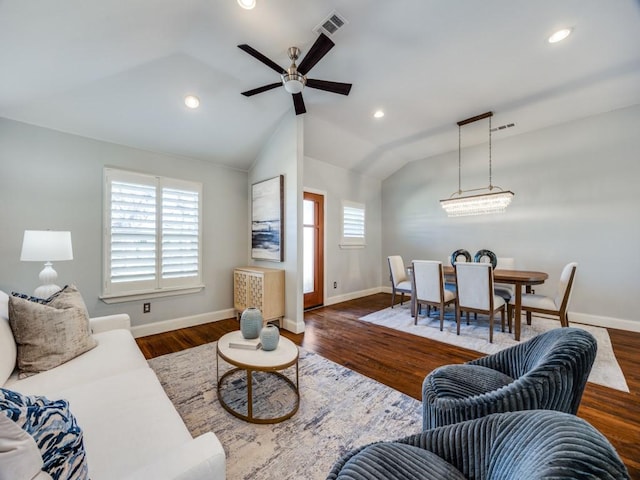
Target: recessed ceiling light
192, 101
560, 35
378, 114
247, 4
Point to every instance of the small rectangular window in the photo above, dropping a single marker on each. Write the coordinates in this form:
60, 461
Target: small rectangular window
353, 224
152, 234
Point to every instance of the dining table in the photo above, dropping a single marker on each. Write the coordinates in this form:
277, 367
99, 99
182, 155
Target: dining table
518, 278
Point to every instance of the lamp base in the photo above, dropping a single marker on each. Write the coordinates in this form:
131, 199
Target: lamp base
47, 276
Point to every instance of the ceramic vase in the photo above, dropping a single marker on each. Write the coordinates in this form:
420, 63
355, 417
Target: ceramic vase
269, 337
251, 323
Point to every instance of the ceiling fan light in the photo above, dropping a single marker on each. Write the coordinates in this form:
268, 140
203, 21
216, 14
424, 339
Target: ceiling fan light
293, 83
247, 4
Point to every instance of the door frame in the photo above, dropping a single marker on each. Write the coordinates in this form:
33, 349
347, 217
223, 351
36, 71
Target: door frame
324, 239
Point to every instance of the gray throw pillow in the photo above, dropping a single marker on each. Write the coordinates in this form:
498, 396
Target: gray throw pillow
48, 335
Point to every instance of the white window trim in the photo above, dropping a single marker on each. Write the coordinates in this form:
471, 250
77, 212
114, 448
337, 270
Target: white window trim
158, 287
353, 242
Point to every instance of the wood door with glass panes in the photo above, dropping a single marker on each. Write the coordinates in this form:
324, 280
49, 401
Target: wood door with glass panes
313, 249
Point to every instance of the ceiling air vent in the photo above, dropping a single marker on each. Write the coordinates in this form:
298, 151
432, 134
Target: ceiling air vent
503, 127
331, 24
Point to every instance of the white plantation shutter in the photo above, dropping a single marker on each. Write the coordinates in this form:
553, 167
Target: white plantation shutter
180, 233
152, 233
353, 223
133, 232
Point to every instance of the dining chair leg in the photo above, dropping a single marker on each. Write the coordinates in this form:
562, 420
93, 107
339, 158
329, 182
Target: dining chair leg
458, 319
491, 315
467, 315
393, 296
528, 318
401, 297
502, 318
441, 316
509, 316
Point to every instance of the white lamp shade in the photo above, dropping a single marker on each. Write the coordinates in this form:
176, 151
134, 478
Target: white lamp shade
46, 246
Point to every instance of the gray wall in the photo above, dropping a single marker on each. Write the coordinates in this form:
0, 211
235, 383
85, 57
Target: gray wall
576, 199
354, 269
282, 155
52, 180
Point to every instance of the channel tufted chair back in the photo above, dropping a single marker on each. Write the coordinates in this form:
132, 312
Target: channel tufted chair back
548, 372
532, 445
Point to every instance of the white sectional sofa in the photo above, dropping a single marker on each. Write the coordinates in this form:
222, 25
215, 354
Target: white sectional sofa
131, 429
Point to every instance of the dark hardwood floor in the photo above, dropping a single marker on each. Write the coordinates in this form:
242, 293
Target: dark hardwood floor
401, 361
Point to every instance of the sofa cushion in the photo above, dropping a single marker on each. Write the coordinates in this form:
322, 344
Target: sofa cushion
19, 454
54, 430
129, 417
117, 352
8, 350
52, 333
463, 381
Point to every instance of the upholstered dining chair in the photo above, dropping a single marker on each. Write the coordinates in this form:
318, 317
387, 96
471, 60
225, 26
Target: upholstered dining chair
557, 305
547, 372
474, 282
399, 279
428, 285
535, 445
505, 290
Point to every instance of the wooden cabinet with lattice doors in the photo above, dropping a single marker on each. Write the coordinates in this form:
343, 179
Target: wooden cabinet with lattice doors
262, 288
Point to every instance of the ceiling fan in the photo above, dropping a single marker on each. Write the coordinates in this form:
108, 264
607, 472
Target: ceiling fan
294, 78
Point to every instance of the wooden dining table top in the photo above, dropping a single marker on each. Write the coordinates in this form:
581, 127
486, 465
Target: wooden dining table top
522, 277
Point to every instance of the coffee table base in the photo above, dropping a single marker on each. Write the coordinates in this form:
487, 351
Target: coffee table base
249, 381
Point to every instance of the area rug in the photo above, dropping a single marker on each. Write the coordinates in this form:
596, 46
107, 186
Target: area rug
606, 371
339, 410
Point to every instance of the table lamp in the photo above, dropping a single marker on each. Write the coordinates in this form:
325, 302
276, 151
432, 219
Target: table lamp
46, 246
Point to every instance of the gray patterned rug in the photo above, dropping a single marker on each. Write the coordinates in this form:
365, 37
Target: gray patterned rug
606, 371
339, 410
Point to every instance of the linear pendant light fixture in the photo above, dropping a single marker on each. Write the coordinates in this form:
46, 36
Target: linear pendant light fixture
458, 205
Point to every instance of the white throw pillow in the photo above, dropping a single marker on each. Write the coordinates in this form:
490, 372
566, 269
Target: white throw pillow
20, 457
8, 350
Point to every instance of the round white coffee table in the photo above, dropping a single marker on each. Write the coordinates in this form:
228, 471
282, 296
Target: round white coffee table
250, 361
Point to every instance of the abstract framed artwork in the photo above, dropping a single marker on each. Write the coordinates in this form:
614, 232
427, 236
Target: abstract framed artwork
267, 209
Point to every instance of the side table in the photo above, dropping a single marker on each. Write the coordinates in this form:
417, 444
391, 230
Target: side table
250, 361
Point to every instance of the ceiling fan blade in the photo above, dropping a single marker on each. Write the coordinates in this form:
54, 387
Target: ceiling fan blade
298, 103
333, 87
257, 55
261, 89
319, 49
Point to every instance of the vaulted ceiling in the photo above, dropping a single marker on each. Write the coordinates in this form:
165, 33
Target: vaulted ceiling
118, 71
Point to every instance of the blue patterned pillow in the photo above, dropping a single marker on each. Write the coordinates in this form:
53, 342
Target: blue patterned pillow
54, 430
43, 301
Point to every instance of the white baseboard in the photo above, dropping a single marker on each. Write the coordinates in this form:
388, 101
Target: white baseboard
292, 325
607, 322
176, 323
352, 295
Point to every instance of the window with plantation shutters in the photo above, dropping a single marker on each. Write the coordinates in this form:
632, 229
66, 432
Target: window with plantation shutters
152, 234
353, 224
